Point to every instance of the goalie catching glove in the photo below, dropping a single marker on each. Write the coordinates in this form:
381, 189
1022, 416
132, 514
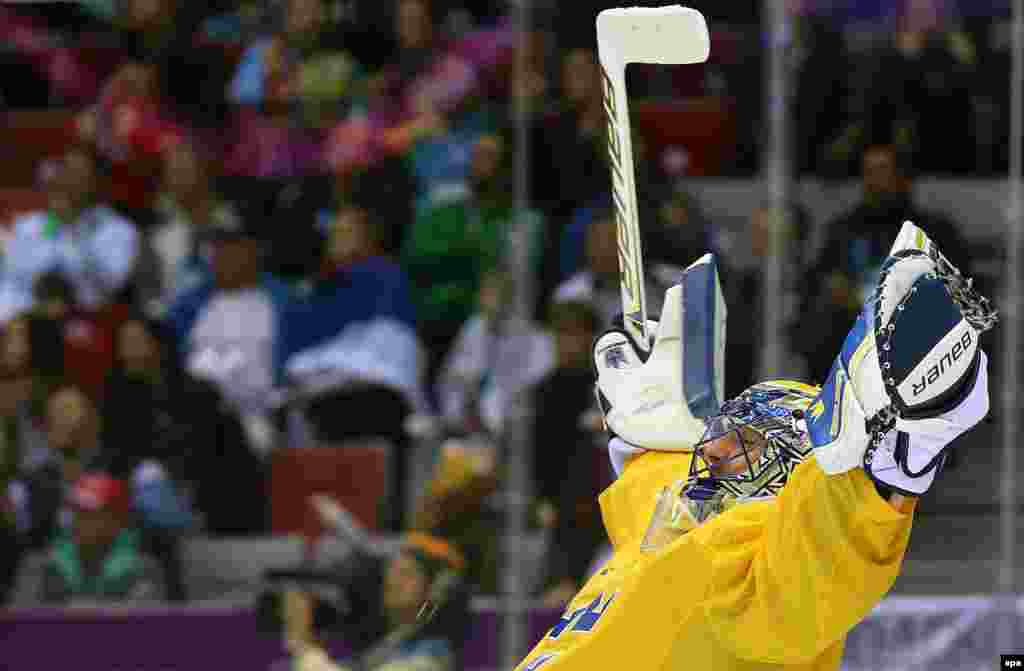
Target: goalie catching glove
910, 377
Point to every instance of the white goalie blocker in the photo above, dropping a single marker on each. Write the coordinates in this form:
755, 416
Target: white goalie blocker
658, 404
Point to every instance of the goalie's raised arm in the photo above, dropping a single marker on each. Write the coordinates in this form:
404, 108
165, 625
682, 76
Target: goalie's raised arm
910, 378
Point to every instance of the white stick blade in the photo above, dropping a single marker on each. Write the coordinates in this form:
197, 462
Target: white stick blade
672, 35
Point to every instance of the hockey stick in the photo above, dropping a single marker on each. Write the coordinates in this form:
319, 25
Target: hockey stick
662, 35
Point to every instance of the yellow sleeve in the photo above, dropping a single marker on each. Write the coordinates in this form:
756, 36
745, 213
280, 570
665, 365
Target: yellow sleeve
790, 577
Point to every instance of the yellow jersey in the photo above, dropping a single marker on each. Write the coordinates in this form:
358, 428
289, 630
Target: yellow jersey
767, 585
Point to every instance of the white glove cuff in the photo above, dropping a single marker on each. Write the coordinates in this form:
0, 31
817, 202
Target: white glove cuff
925, 440
968, 413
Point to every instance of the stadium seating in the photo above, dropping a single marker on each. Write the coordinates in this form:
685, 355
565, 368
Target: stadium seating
704, 127
15, 201
28, 136
355, 475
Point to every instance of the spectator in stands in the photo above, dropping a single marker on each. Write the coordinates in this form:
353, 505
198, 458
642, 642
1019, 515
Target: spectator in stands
169, 83
820, 63
492, 359
819, 66
451, 245
81, 344
442, 157
190, 75
570, 175
228, 328
856, 244
350, 348
387, 187
94, 248
991, 96
16, 389
360, 301
680, 234
675, 233
597, 282
74, 445
100, 561
71, 447
130, 129
154, 410
418, 50
567, 452
291, 86
430, 90
927, 65
296, 70
426, 571
570, 169
742, 269
188, 203
533, 80
39, 67
442, 152
31, 361
20, 442
427, 79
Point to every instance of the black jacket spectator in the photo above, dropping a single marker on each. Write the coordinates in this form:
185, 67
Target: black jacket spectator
857, 243
905, 82
155, 410
565, 453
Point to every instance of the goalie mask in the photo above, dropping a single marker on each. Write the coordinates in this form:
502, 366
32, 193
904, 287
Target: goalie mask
750, 448
746, 453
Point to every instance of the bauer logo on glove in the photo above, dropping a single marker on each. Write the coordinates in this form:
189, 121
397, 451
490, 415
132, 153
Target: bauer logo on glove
946, 362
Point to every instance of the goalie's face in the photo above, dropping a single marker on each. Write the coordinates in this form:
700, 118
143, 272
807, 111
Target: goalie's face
733, 452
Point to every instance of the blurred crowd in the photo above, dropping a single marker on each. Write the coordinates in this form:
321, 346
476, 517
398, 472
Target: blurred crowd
286, 223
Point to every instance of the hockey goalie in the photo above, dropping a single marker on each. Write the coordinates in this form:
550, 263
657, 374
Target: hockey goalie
757, 534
